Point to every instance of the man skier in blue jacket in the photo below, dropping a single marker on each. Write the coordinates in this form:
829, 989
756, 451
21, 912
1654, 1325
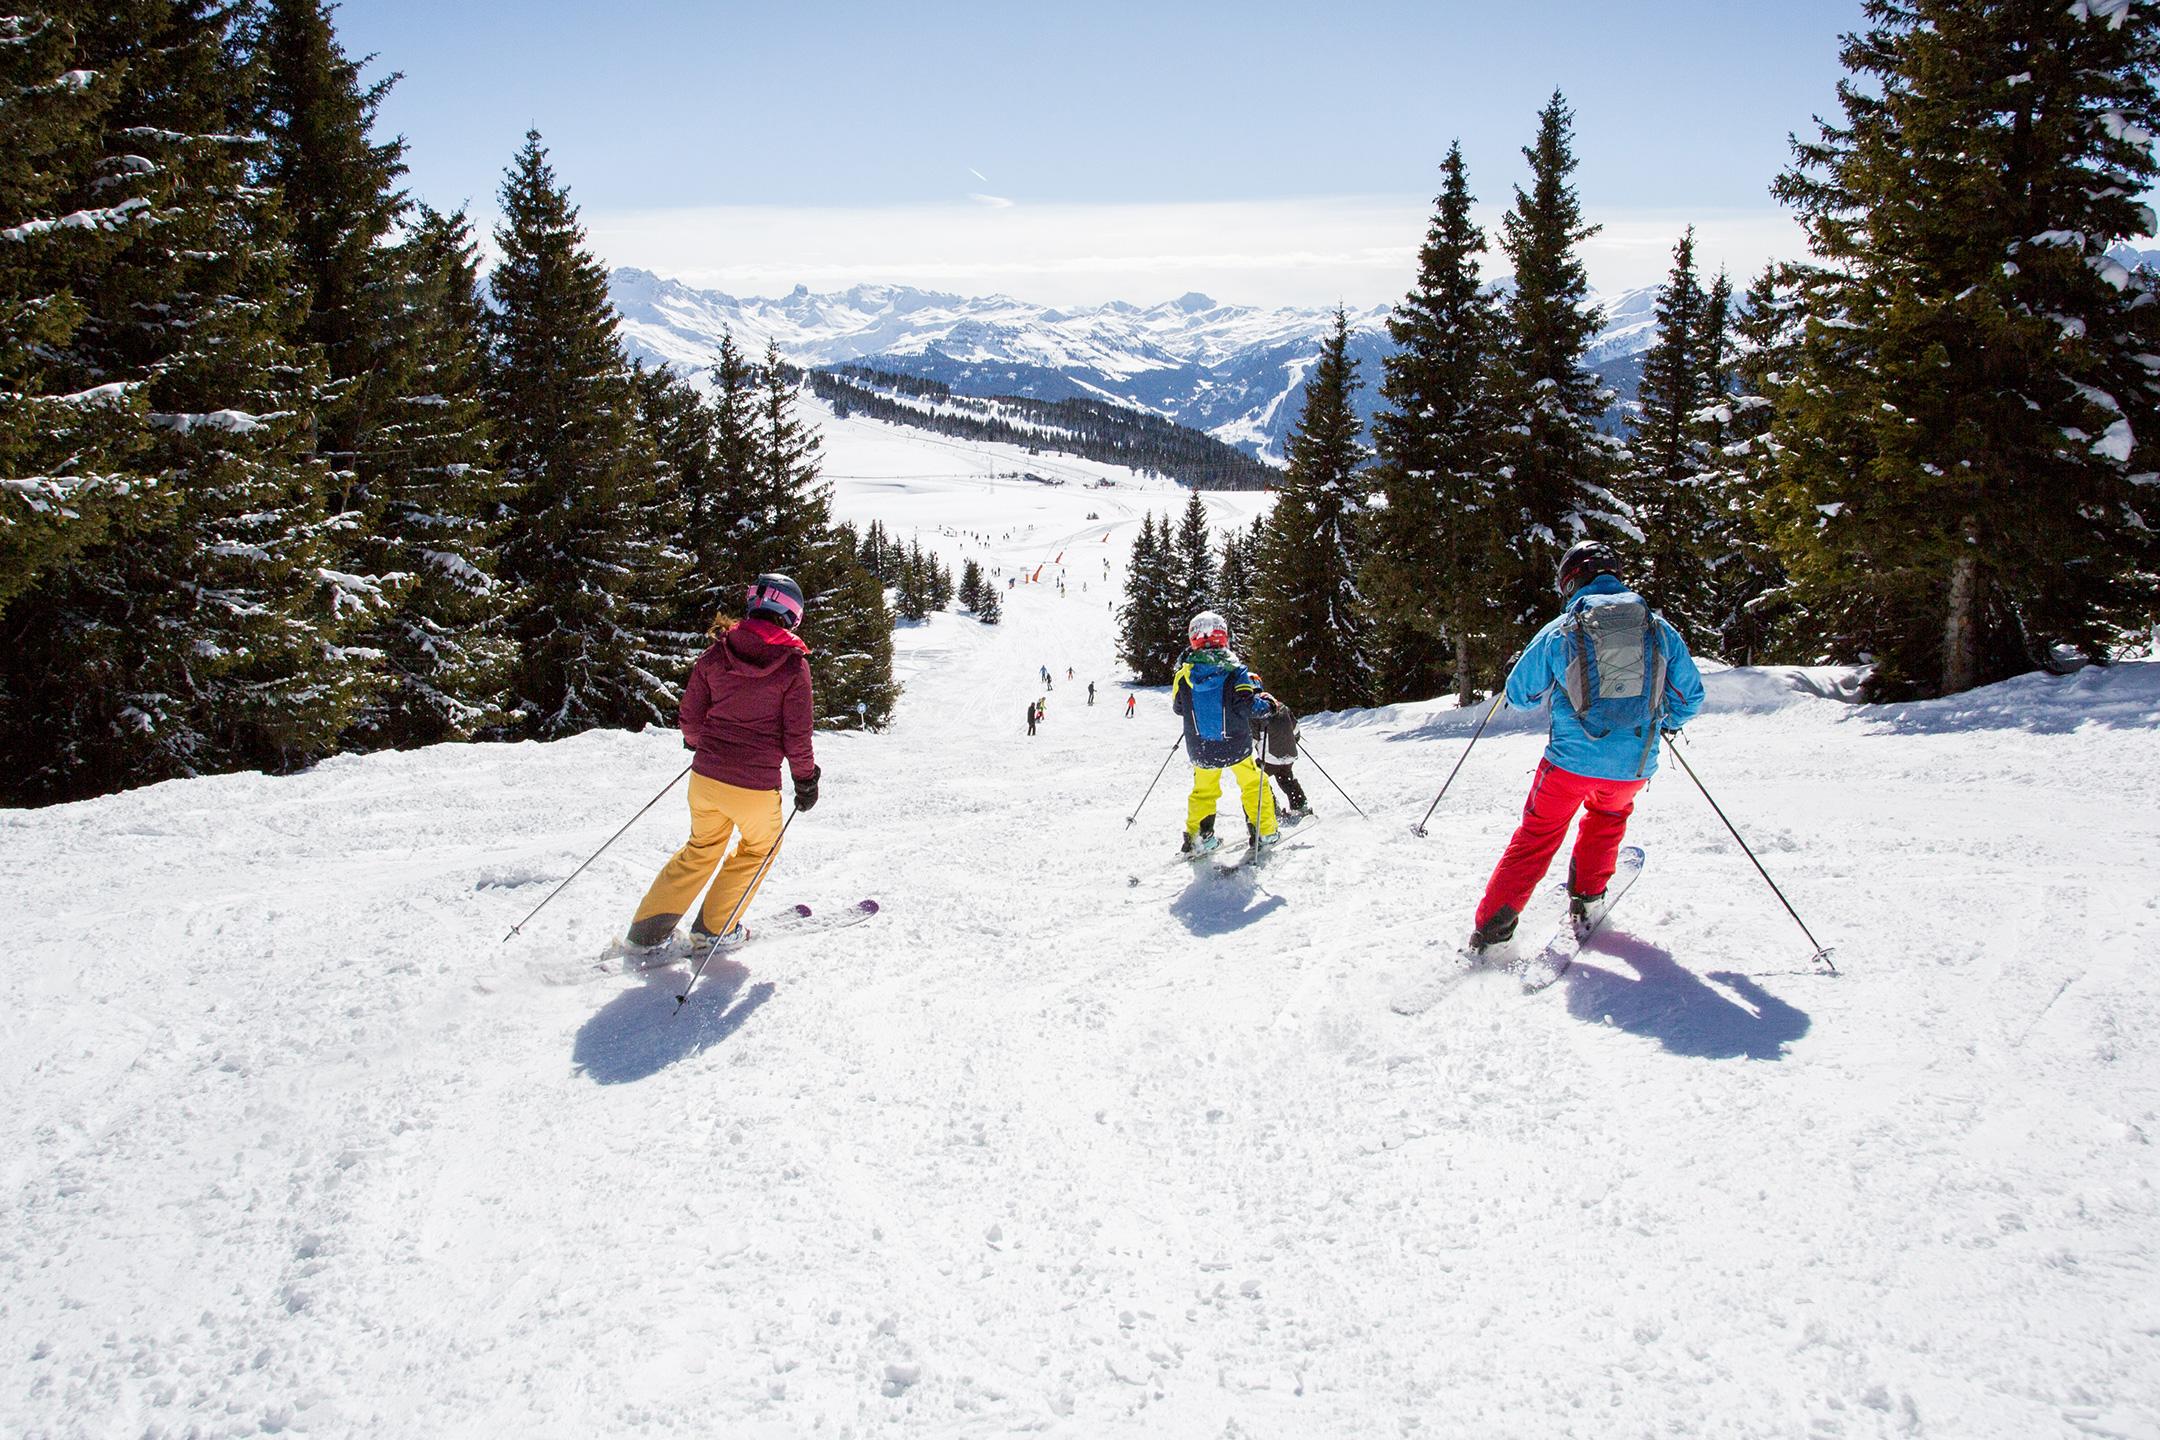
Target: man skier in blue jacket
1617, 675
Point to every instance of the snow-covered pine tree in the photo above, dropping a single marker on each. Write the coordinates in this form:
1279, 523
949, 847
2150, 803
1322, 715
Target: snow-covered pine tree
1234, 578
564, 410
971, 583
337, 186
210, 632
914, 586
1967, 445
846, 620
1309, 621
1194, 564
1746, 352
1665, 481
1561, 467
992, 608
66, 474
683, 427
1431, 572
439, 502
1151, 634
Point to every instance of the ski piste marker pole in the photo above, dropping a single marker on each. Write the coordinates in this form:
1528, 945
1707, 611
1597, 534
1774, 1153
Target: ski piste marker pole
1306, 751
1419, 828
1153, 783
598, 853
748, 891
1822, 951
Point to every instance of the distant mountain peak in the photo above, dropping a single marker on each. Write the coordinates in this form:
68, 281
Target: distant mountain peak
1233, 371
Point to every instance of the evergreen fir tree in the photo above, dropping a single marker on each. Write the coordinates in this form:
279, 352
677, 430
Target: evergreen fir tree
992, 608
1151, 634
1560, 467
1309, 623
209, 631
1195, 562
66, 451
971, 584
1746, 583
1965, 444
565, 409
790, 529
1234, 579
914, 585
1666, 485
1432, 577
683, 427
439, 502
338, 189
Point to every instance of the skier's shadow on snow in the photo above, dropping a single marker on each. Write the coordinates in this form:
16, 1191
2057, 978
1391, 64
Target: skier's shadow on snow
1219, 904
1675, 1007
638, 1034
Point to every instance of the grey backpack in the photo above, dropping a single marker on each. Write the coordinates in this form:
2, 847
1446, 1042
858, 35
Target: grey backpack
1616, 668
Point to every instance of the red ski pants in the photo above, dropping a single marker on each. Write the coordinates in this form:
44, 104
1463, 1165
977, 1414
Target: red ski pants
1555, 796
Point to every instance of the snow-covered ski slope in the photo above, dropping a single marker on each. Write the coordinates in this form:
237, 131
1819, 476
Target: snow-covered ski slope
294, 1145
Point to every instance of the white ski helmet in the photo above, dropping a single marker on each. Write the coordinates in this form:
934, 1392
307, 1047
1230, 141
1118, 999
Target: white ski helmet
1208, 631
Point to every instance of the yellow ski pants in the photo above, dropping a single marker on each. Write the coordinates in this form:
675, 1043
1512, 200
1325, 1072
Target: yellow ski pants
717, 811
1207, 791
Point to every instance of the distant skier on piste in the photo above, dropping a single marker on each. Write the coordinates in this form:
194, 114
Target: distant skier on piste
748, 706
1275, 737
1213, 694
1618, 674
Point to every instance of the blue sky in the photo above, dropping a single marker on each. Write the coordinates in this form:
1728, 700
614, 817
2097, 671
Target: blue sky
1265, 153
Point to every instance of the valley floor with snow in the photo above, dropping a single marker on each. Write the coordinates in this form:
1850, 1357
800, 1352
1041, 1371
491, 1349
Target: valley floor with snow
1070, 1140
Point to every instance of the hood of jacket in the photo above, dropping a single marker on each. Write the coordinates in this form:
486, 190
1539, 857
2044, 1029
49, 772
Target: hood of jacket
757, 647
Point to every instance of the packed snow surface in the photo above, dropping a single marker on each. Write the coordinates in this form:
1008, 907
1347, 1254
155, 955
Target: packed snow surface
295, 1144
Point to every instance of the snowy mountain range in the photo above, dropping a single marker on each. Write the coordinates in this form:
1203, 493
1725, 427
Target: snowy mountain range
1236, 372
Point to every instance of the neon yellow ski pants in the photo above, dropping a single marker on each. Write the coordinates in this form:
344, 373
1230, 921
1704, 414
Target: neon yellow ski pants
1207, 792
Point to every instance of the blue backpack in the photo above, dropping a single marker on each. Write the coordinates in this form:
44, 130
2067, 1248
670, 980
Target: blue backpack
1616, 667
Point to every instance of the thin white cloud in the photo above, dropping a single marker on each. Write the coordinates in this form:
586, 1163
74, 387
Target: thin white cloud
978, 174
1361, 250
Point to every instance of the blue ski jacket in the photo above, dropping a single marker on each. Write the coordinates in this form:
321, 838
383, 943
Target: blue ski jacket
1214, 694
1618, 739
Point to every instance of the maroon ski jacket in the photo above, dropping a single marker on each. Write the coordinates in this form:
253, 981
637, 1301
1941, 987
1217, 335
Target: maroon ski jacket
748, 704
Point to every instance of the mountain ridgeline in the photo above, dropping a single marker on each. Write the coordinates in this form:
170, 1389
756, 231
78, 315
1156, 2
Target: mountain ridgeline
1092, 429
1235, 372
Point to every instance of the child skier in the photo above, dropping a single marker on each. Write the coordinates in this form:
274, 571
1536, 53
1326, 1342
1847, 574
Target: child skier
1275, 737
1213, 693
1617, 674
748, 705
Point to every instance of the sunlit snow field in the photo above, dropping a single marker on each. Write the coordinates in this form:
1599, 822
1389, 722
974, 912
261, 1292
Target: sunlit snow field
294, 1144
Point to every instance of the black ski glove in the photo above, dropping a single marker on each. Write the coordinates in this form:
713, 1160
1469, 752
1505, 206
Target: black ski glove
806, 788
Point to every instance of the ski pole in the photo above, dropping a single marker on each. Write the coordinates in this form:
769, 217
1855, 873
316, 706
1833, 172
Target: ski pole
1306, 751
748, 891
1822, 951
1419, 828
1153, 783
597, 853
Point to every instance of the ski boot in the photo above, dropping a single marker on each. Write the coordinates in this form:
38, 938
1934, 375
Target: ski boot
1255, 840
1202, 843
718, 944
1490, 942
1586, 910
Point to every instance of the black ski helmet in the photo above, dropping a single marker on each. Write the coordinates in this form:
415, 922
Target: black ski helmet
1585, 560
777, 598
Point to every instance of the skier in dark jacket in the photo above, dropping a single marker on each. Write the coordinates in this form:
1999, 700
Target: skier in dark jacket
1617, 675
747, 707
1275, 737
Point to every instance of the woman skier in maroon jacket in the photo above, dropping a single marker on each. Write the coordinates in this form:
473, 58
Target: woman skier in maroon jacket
747, 707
